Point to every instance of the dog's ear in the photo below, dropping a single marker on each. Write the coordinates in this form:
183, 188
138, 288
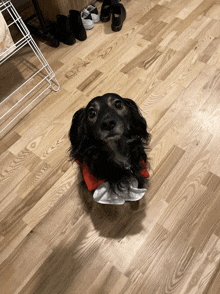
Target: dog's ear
138, 123
77, 133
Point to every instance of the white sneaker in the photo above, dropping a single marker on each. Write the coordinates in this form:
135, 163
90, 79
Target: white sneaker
87, 19
94, 13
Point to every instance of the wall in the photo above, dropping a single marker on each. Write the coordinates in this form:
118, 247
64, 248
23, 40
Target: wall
18, 3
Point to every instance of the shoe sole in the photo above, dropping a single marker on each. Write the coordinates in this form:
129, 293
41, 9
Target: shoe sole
105, 18
116, 29
89, 28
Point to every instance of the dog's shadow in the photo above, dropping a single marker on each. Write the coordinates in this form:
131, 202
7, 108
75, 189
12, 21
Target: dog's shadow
113, 221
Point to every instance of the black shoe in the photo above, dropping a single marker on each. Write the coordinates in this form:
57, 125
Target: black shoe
77, 25
106, 9
63, 31
118, 17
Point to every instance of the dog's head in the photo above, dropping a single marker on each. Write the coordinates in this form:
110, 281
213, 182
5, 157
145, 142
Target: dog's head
106, 119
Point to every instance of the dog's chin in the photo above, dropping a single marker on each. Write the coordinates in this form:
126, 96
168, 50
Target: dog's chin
110, 138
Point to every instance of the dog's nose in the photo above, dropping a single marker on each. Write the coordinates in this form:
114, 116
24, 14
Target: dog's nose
108, 124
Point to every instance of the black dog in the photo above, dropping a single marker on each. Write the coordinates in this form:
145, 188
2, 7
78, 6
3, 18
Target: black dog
110, 136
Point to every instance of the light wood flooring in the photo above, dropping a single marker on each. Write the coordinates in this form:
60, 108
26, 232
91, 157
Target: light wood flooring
167, 59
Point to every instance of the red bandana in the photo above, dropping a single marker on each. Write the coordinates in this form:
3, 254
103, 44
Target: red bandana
92, 183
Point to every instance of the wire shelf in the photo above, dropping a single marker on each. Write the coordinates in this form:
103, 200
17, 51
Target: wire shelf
40, 76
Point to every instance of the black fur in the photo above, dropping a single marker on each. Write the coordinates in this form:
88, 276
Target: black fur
110, 135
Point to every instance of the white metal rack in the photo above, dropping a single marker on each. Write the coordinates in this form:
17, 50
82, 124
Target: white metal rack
45, 76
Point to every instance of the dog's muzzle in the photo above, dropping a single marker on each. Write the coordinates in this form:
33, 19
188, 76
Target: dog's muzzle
111, 128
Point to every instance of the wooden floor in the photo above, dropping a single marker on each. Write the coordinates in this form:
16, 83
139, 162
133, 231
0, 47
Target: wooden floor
167, 59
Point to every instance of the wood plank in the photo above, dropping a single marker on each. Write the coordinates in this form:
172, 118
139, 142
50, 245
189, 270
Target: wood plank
203, 267
53, 237
153, 14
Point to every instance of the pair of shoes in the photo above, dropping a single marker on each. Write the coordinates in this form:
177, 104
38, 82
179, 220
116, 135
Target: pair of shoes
90, 16
69, 28
118, 13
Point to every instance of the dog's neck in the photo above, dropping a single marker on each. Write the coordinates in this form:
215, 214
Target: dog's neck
119, 153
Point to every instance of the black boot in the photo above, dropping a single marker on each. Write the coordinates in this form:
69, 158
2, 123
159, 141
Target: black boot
64, 32
77, 25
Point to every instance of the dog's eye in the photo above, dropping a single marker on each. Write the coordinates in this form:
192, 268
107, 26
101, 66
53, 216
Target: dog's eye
91, 113
118, 104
